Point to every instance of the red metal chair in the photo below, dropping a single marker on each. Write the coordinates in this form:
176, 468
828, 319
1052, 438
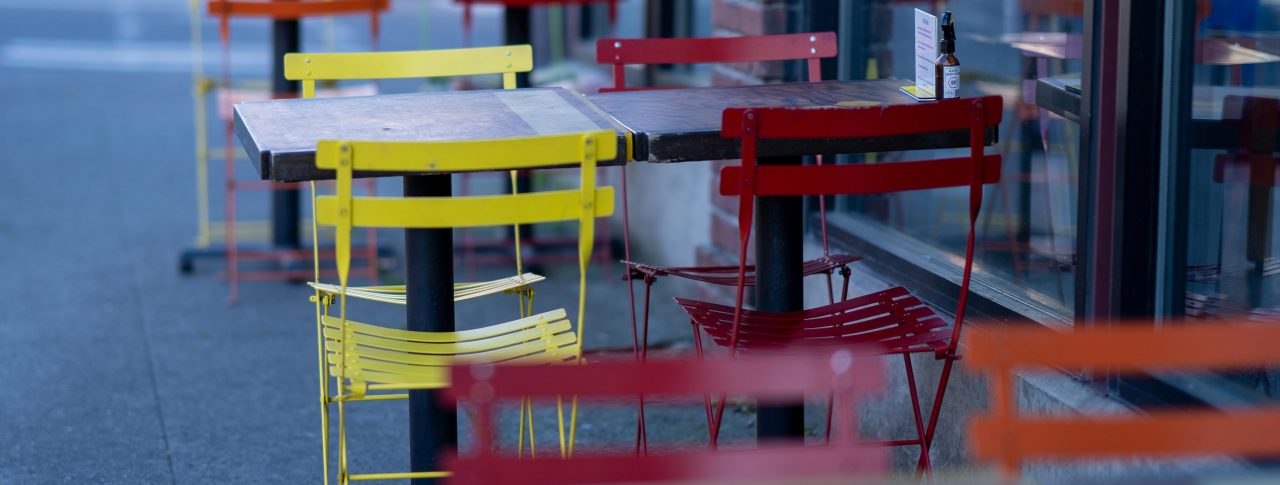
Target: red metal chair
892, 318
848, 372
1005, 437
811, 48
226, 10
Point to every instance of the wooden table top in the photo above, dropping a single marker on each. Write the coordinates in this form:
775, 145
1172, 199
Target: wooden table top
666, 125
1207, 108
280, 135
684, 124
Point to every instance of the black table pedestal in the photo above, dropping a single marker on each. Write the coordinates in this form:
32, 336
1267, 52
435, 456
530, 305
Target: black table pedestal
428, 255
780, 286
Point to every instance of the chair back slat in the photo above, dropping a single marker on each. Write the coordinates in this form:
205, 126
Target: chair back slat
751, 466
751, 48
292, 10
759, 377
863, 122
1244, 432
1128, 348
860, 179
705, 50
516, 153
408, 64
457, 212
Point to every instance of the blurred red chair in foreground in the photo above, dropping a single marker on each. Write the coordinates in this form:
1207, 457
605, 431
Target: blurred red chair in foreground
893, 318
849, 373
811, 48
1005, 437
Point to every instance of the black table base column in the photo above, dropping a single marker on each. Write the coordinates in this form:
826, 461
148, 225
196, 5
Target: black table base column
285, 204
428, 255
780, 286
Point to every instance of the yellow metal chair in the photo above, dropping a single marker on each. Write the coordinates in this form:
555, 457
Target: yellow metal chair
505, 60
370, 362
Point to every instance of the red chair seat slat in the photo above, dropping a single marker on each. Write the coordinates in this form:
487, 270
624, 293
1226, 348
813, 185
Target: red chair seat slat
893, 317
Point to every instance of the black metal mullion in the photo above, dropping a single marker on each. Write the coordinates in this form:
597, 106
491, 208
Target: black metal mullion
1175, 161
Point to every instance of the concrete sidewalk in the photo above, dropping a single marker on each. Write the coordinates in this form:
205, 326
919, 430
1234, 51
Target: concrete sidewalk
118, 369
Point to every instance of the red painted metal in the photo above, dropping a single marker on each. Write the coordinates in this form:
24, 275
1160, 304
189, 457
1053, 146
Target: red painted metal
619, 52
893, 318
752, 48
225, 10
859, 179
848, 373
293, 10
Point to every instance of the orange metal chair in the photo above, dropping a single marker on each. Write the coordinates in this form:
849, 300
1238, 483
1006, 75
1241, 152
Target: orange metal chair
1009, 439
892, 318
848, 372
811, 48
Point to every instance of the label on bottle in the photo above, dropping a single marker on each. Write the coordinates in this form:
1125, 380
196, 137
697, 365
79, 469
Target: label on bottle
950, 82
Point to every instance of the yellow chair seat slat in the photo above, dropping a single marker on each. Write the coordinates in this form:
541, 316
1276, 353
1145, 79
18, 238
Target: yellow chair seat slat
425, 366
461, 291
515, 153
447, 337
376, 347
454, 212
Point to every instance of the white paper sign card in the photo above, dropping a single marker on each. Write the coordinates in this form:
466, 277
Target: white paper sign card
926, 52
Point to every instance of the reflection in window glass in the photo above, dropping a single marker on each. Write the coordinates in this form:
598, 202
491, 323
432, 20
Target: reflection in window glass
1028, 224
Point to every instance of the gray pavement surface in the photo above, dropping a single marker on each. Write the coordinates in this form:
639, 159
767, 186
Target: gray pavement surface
116, 368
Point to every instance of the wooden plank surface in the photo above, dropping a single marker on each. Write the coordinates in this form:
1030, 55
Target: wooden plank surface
280, 135
684, 124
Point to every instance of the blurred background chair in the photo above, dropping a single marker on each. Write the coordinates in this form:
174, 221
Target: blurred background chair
849, 373
251, 240
1009, 439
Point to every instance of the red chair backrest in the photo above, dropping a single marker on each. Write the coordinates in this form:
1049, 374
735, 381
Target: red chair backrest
293, 10
1127, 348
759, 125
849, 373
752, 48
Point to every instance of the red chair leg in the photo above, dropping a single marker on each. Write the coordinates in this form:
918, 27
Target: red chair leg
915, 408
937, 401
706, 398
831, 404
844, 292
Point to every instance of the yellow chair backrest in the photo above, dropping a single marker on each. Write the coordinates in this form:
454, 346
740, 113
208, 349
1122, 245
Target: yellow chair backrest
345, 211
329, 66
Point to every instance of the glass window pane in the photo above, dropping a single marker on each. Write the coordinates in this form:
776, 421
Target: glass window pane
1027, 229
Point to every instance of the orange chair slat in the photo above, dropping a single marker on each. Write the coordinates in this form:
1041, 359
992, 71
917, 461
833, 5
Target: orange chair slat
1245, 432
1129, 348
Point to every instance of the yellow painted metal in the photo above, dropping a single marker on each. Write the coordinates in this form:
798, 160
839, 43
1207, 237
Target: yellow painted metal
516, 153
408, 64
399, 476
371, 362
476, 211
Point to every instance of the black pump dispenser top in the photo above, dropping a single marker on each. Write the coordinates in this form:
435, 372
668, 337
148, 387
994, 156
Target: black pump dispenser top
948, 33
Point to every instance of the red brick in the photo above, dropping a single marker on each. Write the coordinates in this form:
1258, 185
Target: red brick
724, 231
747, 17
724, 76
